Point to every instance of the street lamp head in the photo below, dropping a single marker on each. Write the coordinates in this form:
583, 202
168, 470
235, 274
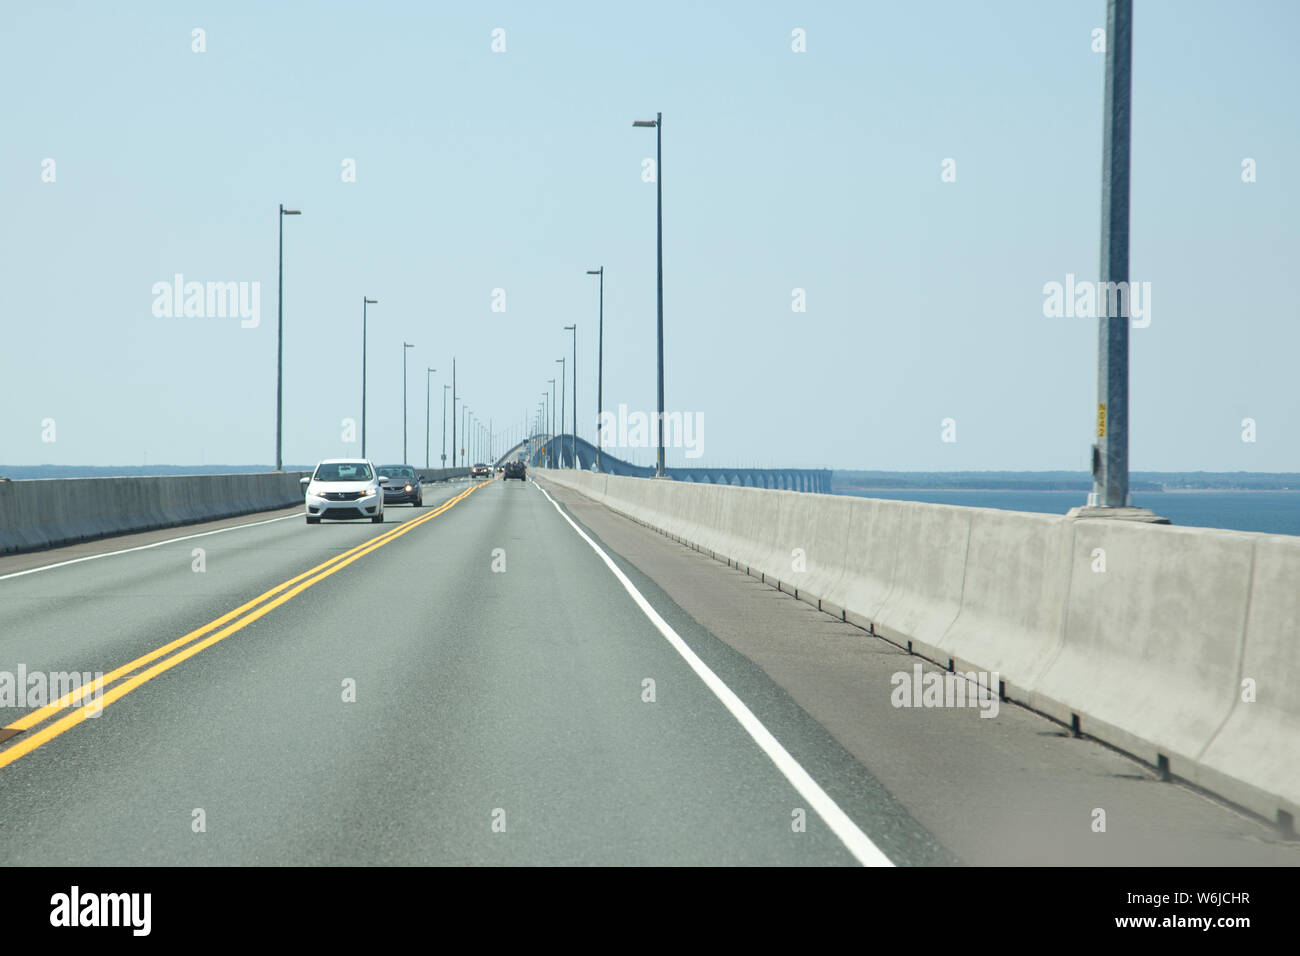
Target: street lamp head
595, 272
570, 328
290, 212
371, 302
650, 123
407, 345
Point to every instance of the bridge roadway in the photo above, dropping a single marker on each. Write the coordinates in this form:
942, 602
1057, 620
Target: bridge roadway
501, 716
561, 450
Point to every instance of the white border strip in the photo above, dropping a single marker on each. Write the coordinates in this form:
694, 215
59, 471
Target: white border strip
146, 547
854, 840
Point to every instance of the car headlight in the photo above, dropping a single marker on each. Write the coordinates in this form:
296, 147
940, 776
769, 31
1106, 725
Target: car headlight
409, 487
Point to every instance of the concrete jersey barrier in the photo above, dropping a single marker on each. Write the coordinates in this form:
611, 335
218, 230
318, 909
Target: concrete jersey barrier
49, 512
1178, 645
441, 474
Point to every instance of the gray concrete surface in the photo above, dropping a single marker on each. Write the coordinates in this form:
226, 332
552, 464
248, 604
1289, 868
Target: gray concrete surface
1010, 790
476, 691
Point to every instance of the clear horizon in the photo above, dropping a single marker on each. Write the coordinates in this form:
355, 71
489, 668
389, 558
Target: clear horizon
445, 179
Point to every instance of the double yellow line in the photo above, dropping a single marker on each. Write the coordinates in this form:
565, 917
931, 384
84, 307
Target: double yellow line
139, 671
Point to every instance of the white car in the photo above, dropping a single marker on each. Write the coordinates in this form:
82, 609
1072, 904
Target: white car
342, 489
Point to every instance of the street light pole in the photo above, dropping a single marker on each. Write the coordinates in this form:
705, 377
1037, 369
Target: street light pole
1110, 454
658, 124
428, 372
561, 361
405, 346
550, 438
600, 361
279, 346
364, 302
573, 444
445, 389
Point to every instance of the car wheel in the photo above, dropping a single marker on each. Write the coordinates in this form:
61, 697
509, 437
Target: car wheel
311, 520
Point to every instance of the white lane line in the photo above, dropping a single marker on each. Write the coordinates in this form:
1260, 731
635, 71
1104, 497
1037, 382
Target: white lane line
146, 547
857, 842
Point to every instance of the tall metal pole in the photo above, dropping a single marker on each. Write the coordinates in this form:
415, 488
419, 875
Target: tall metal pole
428, 372
562, 390
1110, 461
658, 124
659, 182
364, 337
600, 367
454, 396
600, 364
575, 395
405, 346
550, 437
573, 441
279, 344
443, 463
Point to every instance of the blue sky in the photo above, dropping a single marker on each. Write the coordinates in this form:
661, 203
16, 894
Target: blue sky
520, 170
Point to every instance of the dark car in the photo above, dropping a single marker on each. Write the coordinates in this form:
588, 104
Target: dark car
480, 470
515, 469
403, 487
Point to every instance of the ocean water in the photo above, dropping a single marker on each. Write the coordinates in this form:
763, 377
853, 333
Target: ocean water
1273, 512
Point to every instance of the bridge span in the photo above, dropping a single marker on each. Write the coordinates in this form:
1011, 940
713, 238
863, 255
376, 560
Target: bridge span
562, 451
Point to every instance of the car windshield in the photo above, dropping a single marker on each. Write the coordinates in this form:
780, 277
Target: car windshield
343, 471
396, 471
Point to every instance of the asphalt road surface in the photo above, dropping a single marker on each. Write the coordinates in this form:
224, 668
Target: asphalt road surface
507, 677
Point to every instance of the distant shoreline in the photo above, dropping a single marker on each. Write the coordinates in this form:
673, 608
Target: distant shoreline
1066, 491
1243, 491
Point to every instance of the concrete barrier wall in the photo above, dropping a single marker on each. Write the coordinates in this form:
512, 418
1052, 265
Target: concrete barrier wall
1260, 740
1152, 644
1149, 637
441, 474
1016, 581
46, 513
